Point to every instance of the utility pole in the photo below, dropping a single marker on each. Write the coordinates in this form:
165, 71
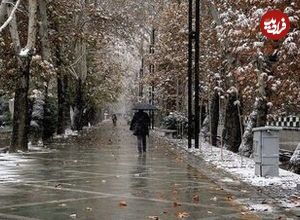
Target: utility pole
197, 72
152, 70
141, 75
190, 74
193, 72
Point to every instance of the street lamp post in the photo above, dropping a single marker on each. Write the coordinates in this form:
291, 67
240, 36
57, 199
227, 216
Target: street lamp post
193, 71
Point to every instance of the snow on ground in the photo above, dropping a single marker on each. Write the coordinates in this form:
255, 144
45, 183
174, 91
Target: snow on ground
261, 207
242, 168
68, 133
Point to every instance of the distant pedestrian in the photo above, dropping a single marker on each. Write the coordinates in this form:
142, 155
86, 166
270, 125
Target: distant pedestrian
114, 119
140, 126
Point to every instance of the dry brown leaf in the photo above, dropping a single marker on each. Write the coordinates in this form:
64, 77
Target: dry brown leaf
196, 198
122, 204
229, 198
183, 215
176, 204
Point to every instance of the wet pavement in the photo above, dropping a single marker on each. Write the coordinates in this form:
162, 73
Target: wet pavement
101, 176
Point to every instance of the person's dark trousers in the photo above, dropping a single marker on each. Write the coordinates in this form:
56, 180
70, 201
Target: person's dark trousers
141, 142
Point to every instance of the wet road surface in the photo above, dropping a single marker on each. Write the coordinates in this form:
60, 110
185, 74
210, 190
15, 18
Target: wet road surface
102, 177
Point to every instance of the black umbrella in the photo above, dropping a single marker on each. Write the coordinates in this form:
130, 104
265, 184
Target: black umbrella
143, 106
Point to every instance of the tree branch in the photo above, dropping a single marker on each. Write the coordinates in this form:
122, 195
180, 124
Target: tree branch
10, 17
2, 10
32, 25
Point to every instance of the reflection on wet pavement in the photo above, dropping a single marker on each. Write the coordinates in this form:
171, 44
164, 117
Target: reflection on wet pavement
101, 176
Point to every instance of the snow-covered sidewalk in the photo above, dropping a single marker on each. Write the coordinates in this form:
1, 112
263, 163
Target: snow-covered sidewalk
243, 169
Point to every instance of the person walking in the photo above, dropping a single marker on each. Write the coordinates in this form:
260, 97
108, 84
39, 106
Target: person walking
140, 126
114, 119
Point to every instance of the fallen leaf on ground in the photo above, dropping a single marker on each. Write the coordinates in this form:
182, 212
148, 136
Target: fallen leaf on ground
176, 204
229, 198
58, 186
196, 198
122, 204
183, 215
89, 209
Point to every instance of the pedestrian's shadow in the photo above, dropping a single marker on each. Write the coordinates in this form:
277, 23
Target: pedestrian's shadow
140, 173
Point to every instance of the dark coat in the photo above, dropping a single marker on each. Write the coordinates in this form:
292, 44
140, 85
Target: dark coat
140, 124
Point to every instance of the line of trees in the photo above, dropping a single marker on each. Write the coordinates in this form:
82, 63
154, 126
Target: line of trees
243, 74
59, 60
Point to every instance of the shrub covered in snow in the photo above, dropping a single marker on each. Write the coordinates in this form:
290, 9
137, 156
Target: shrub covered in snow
43, 121
174, 121
50, 118
5, 116
295, 160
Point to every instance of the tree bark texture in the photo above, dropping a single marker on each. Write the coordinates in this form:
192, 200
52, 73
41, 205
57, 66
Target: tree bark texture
21, 108
232, 127
214, 114
21, 115
3, 11
79, 106
60, 105
46, 52
295, 161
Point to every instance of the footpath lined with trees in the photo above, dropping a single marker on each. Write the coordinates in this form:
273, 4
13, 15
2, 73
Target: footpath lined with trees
57, 56
243, 74
63, 62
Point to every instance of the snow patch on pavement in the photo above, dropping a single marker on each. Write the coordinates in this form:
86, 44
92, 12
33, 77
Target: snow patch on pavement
261, 208
68, 133
242, 168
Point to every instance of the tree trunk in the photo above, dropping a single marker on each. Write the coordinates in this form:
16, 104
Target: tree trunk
295, 161
60, 105
258, 117
79, 106
21, 118
232, 127
202, 113
62, 89
3, 11
214, 113
46, 53
67, 116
